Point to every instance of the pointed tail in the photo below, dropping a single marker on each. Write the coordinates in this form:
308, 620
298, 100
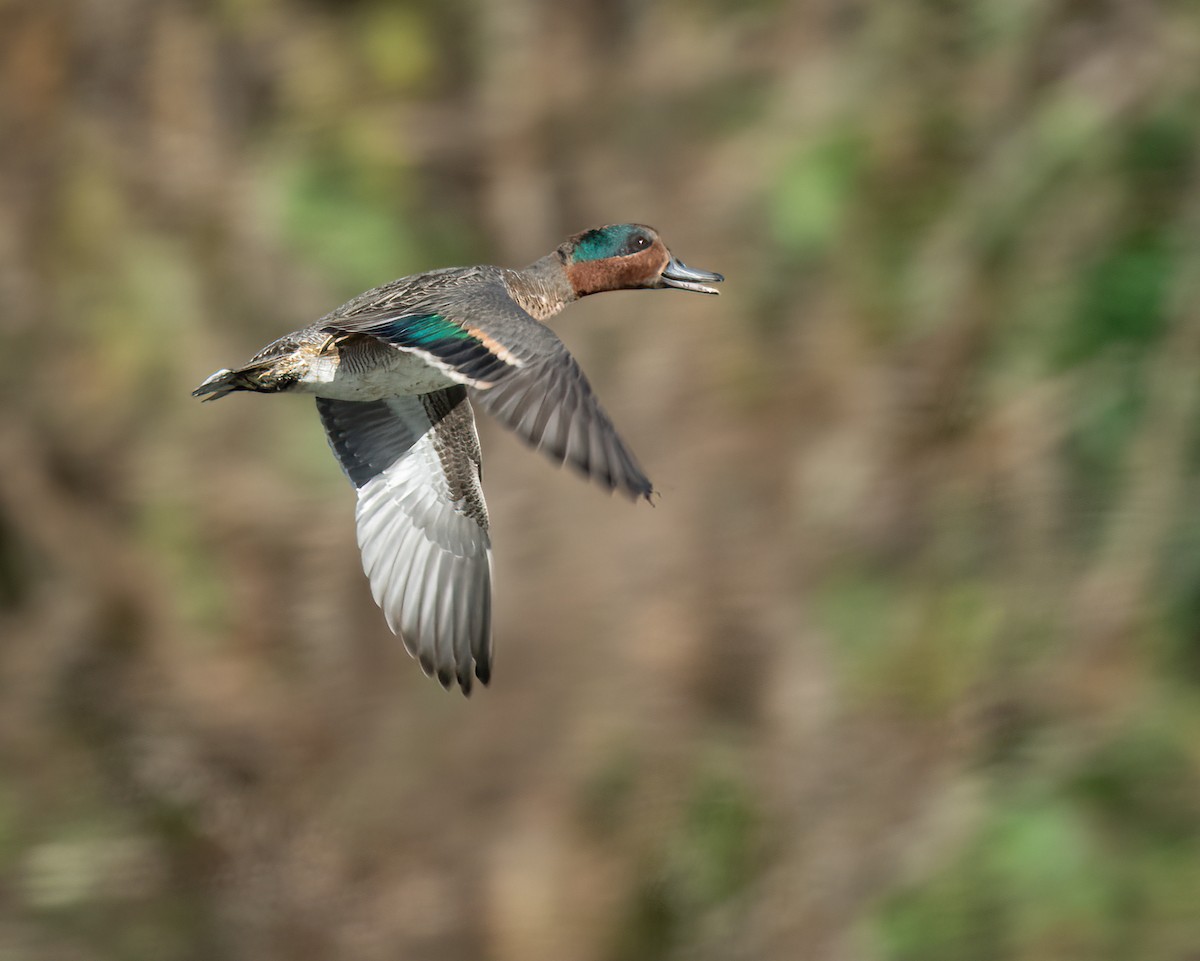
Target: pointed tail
224, 381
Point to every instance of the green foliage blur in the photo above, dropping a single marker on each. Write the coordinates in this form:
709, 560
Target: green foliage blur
905, 664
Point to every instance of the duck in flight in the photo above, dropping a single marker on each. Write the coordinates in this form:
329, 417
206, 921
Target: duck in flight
395, 372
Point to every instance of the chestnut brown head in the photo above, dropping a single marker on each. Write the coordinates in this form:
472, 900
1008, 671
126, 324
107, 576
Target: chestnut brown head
627, 257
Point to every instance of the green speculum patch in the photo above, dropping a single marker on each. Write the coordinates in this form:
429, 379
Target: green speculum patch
430, 328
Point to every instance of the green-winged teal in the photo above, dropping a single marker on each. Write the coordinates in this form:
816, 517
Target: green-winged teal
394, 372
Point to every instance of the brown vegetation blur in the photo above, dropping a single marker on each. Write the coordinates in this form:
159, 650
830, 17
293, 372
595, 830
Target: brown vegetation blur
904, 663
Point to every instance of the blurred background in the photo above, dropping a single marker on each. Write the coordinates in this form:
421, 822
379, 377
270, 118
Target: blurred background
905, 662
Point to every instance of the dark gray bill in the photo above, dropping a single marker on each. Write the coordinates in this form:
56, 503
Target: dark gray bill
678, 274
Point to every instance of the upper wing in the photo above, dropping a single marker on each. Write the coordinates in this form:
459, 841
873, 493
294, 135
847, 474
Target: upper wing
422, 523
551, 405
521, 374
441, 340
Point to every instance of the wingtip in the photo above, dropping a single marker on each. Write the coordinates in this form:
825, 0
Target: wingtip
427, 666
639, 491
464, 680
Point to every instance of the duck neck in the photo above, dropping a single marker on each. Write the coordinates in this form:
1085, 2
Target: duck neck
543, 288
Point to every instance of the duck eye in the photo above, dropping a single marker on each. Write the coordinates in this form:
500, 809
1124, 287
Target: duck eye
638, 242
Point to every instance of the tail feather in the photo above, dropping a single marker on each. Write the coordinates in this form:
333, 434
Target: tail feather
224, 381
264, 376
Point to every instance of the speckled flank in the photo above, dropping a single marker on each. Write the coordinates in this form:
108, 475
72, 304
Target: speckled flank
360, 368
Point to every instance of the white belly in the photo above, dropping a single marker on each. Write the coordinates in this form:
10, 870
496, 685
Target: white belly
401, 374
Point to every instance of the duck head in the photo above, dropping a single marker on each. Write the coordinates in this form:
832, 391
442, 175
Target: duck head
626, 257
